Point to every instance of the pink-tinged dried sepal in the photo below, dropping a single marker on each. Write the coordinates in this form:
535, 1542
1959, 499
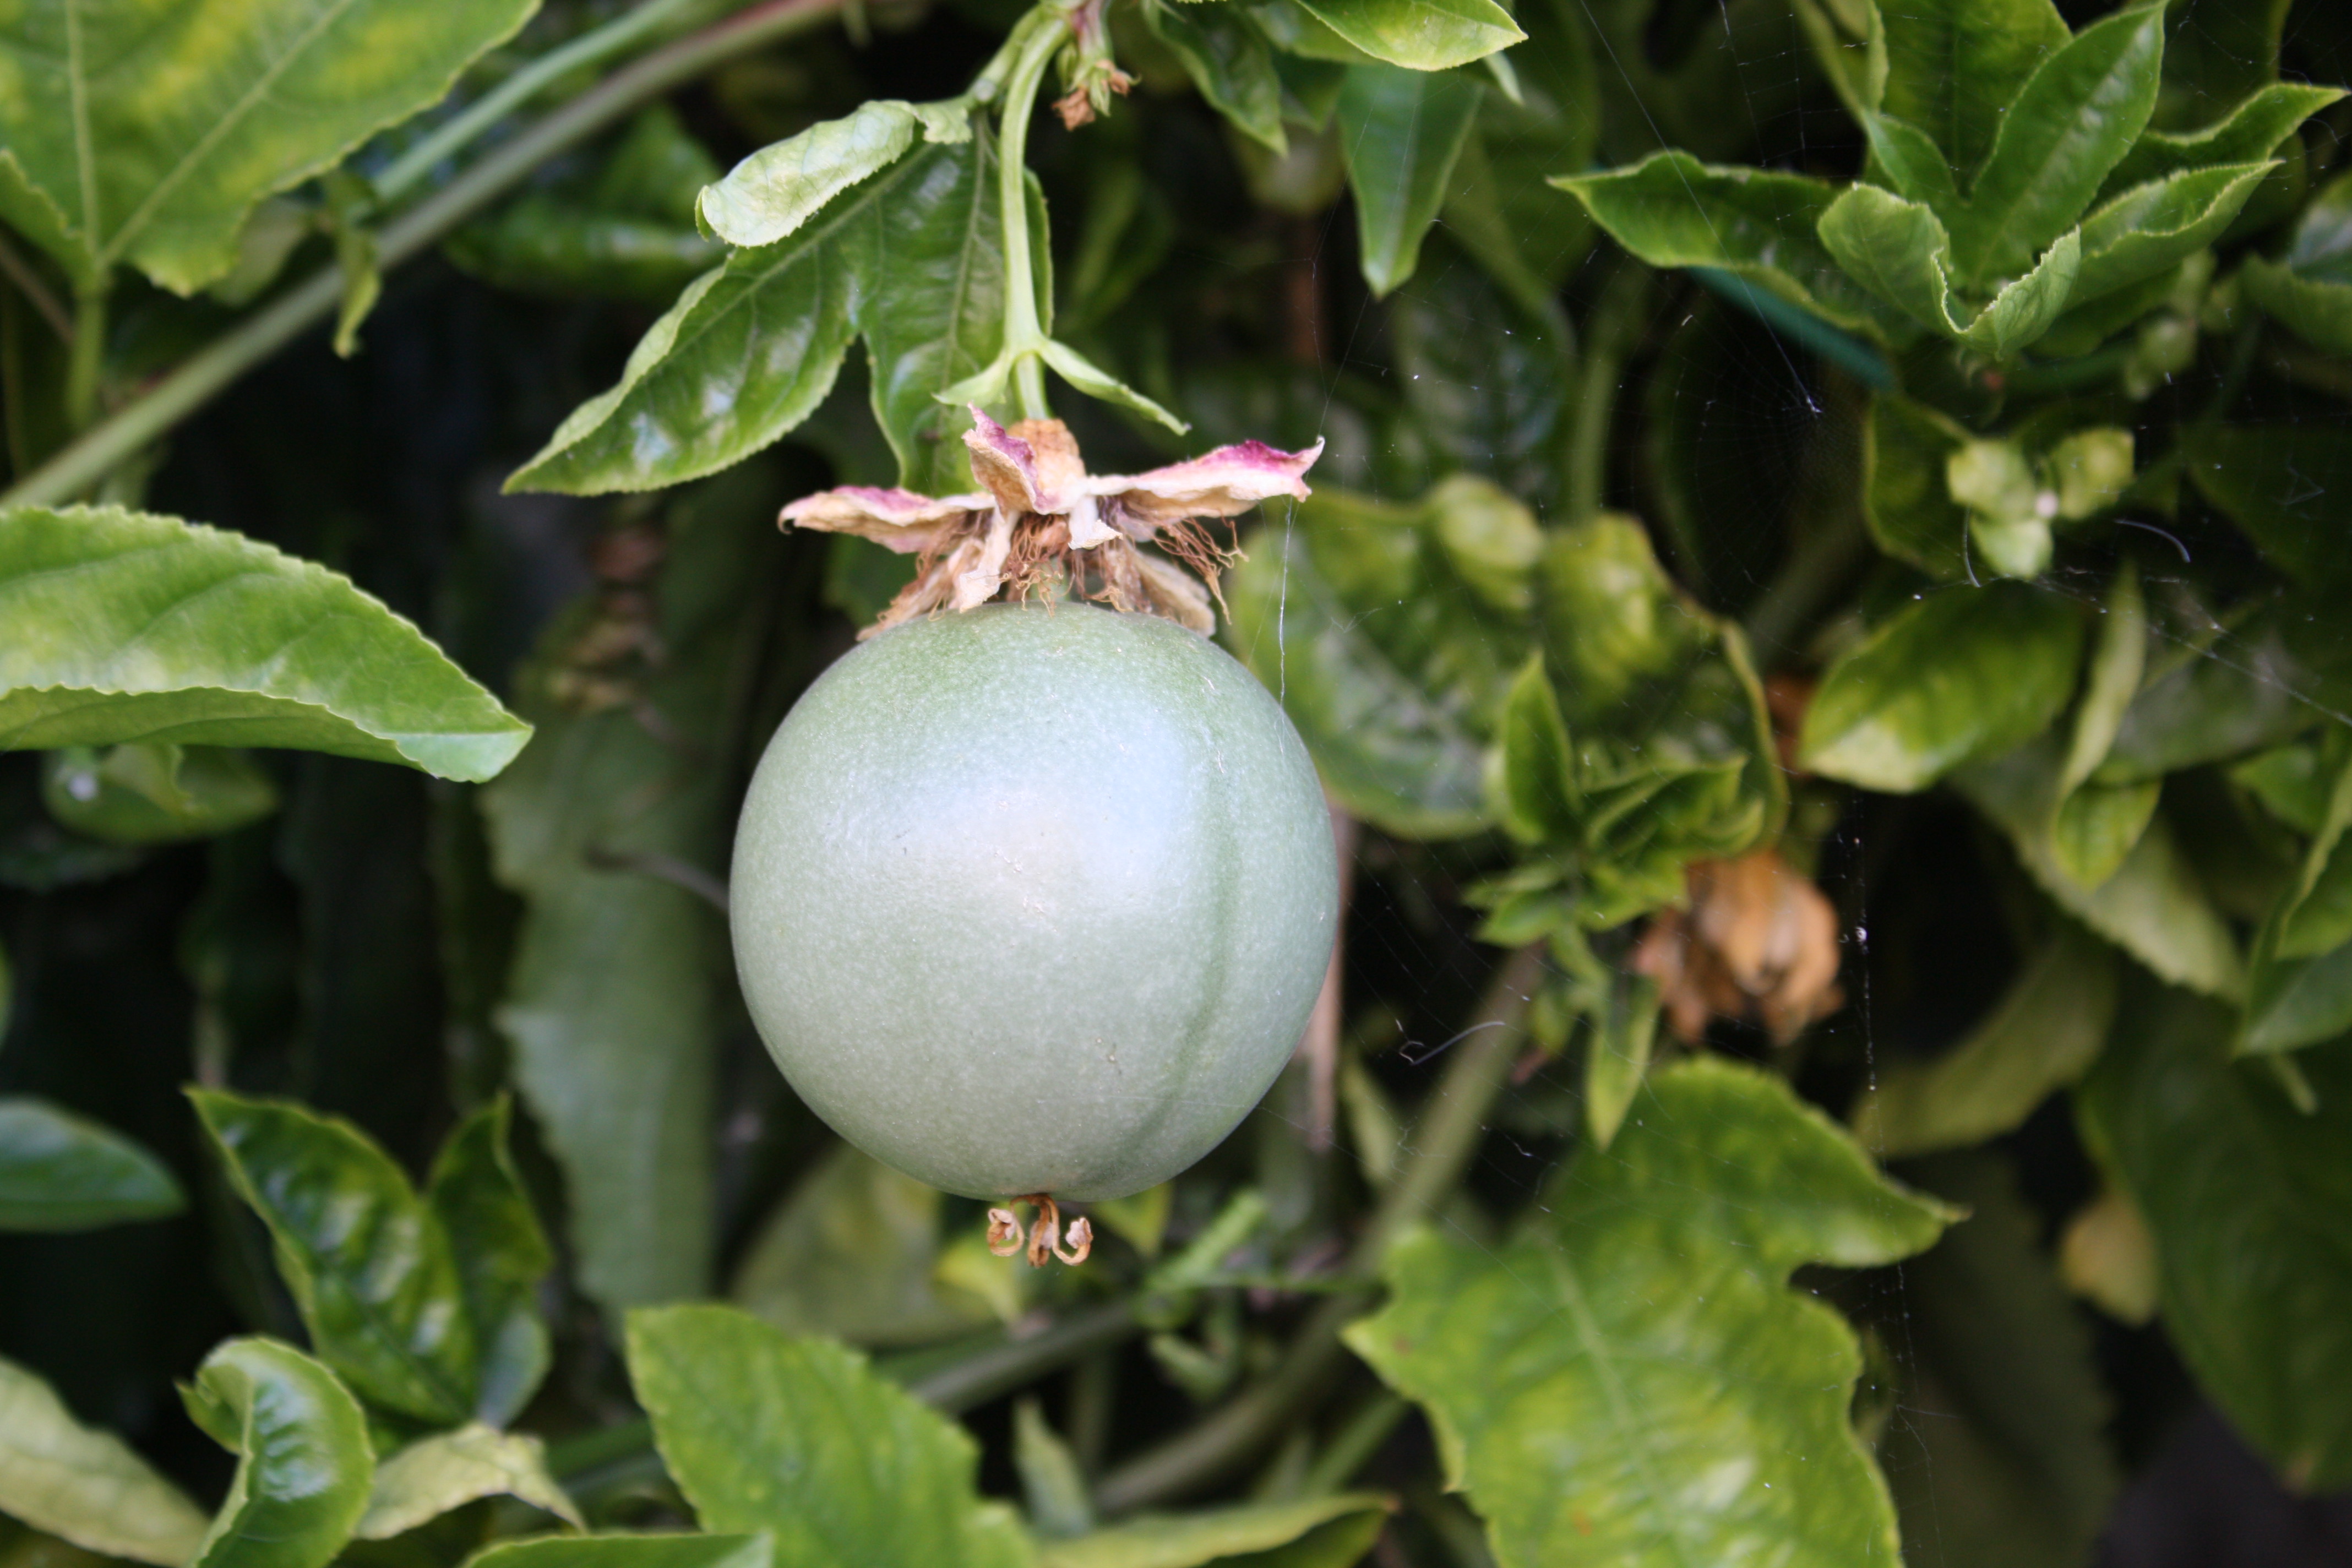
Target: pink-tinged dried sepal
1024, 467
1226, 482
1005, 1237
899, 519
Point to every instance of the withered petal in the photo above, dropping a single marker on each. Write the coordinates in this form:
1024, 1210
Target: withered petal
1225, 482
901, 519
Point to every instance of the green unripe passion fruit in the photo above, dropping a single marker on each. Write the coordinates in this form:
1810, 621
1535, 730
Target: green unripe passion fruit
1033, 900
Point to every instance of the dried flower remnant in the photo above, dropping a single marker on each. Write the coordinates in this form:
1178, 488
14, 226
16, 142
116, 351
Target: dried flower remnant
1044, 1238
1758, 941
1042, 518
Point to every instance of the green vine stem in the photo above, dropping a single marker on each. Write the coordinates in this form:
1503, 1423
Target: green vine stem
1024, 333
1442, 1143
86, 357
205, 374
462, 129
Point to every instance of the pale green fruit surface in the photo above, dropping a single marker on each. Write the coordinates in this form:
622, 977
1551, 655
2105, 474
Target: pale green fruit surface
1033, 900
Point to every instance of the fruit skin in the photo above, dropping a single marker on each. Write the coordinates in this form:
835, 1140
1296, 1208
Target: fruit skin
1032, 899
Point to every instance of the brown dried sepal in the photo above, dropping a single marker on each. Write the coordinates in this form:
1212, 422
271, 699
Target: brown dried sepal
1758, 941
1044, 1242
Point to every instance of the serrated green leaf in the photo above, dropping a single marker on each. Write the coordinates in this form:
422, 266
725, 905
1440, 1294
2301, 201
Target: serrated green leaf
883, 1479
1247, 1535
2042, 1035
851, 1252
770, 194
428, 1478
1963, 673
2153, 907
1952, 68
910, 259
1671, 210
1629, 1380
2072, 122
124, 627
86, 1485
1617, 1054
1419, 35
502, 1256
1898, 249
154, 792
671, 1551
1400, 131
2250, 132
2246, 1196
304, 1466
154, 127
1229, 62
2147, 229
62, 1172
610, 1002
369, 1265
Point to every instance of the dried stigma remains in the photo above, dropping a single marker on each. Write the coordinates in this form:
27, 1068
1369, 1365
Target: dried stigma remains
1043, 518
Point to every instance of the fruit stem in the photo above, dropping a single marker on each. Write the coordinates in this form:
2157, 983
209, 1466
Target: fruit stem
1443, 1142
1023, 333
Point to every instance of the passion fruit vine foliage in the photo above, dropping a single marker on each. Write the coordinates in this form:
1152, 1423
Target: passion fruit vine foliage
1820, 615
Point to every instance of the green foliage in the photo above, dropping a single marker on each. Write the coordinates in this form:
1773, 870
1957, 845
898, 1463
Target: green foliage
1997, 439
126, 627
61, 1172
1593, 1421
304, 1467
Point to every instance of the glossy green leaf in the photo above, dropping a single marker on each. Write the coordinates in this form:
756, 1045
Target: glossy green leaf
2289, 487
1229, 61
1233, 1536
623, 230
1629, 1380
1963, 673
61, 1172
1617, 1054
2309, 288
2042, 1035
369, 1265
304, 1467
428, 1478
1906, 447
128, 626
1536, 793
2292, 1002
86, 1485
2153, 907
1419, 35
2094, 827
1499, 207
2012, 1469
2074, 119
150, 129
1672, 210
1952, 68
2147, 229
1485, 385
150, 792
2246, 1195
668, 1551
881, 1478
1401, 132
909, 257
501, 1254
770, 194
851, 1252
610, 1002
1393, 670
2258, 692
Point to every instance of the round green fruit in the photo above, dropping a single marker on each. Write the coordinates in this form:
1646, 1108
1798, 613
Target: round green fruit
1033, 900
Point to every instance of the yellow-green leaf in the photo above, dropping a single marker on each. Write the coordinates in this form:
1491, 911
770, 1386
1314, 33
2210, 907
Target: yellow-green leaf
86, 1485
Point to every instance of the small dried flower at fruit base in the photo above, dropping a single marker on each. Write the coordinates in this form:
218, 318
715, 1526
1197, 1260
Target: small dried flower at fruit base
1005, 1235
1041, 512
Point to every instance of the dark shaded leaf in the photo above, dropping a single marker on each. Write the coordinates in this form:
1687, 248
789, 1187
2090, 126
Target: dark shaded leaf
1401, 132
